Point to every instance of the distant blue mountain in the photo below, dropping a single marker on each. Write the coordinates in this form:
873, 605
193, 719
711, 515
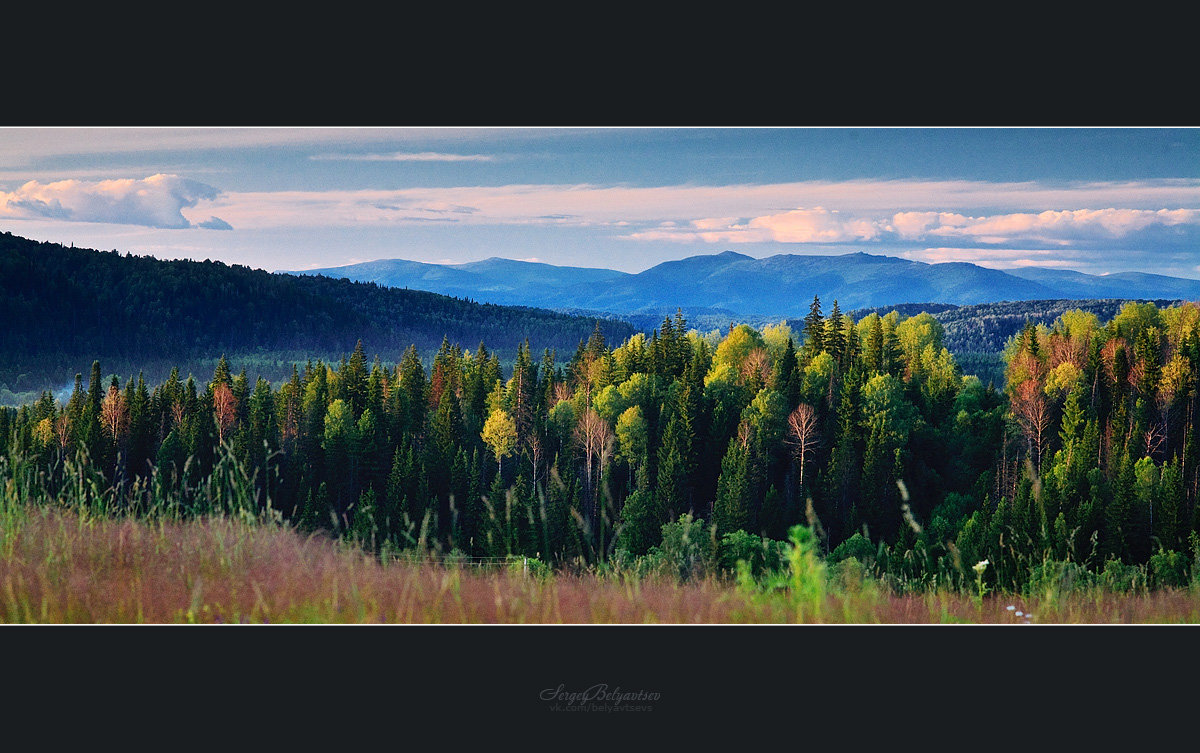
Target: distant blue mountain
495, 280
1119, 285
778, 286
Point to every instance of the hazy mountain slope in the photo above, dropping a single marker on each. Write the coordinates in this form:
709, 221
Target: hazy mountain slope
777, 286
1120, 285
64, 307
494, 280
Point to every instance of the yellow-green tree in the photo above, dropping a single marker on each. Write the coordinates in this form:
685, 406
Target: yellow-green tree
500, 434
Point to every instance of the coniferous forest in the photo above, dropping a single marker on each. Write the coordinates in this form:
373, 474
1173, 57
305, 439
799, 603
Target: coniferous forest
689, 451
63, 307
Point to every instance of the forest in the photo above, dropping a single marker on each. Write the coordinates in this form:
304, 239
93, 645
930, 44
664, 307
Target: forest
64, 307
690, 451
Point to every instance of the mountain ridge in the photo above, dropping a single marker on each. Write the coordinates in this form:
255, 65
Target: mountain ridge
781, 285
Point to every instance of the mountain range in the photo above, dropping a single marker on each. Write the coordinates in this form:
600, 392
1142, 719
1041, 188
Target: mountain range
741, 286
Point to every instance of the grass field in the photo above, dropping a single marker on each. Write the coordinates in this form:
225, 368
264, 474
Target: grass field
70, 566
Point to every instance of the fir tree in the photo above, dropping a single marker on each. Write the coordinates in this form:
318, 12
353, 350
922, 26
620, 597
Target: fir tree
834, 337
814, 329
731, 509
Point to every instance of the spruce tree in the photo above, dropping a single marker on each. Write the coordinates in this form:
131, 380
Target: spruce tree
874, 346
92, 432
671, 487
814, 329
412, 380
731, 509
834, 337
353, 379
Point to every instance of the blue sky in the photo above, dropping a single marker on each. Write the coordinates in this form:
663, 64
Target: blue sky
1094, 200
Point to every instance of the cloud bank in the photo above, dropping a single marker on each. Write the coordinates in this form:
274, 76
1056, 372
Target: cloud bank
157, 201
1000, 224
821, 225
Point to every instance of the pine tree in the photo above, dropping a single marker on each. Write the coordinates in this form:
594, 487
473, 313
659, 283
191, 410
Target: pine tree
834, 338
874, 346
671, 484
141, 429
363, 528
390, 514
786, 378
353, 380
412, 381
221, 374
92, 432
814, 329
890, 358
731, 509
522, 392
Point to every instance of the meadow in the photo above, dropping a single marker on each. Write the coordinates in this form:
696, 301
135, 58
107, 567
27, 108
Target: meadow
74, 559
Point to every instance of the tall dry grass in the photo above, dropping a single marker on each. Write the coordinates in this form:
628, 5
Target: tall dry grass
66, 566
75, 553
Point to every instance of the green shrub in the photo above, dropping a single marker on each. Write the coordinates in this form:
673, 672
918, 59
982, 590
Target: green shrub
688, 549
857, 546
760, 554
806, 572
1119, 577
1168, 569
531, 566
1054, 578
847, 575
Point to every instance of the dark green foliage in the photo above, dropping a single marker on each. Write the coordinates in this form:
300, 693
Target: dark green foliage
688, 549
1080, 459
760, 554
63, 305
857, 546
732, 508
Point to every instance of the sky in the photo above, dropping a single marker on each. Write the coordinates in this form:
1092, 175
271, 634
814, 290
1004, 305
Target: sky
1098, 200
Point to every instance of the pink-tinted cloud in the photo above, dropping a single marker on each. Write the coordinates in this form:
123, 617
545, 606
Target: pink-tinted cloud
818, 225
157, 201
797, 213
1049, 226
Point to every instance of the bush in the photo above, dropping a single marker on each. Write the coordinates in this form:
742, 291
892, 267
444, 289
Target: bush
531, 566
760, 554
1054, 578
847, 575
1121, 578
857, 546
1168, 569
806, 572
688, 549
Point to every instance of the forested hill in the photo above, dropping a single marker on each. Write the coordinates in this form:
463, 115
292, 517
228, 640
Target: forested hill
987, 328
978, 335
63, 307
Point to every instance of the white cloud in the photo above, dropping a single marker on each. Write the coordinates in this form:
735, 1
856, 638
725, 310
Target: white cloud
156, 201
814, 212
1049, 225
